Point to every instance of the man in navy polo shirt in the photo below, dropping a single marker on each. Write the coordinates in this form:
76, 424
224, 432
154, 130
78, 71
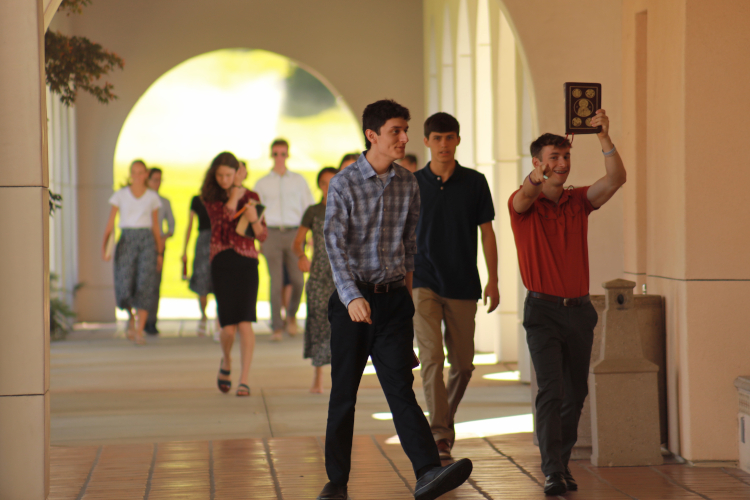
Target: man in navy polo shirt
455, 200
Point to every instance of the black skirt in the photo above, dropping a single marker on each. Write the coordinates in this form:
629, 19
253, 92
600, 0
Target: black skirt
235, 282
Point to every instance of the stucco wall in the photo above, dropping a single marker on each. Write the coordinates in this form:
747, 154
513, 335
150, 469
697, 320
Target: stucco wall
696, 221
365, 50
578, 41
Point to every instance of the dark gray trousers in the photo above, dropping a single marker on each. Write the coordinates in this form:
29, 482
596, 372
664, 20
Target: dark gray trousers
560, 340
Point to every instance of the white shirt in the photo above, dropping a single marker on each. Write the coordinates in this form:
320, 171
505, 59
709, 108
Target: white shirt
135, 212
285, 197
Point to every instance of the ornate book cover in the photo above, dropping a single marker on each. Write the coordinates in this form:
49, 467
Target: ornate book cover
581, 102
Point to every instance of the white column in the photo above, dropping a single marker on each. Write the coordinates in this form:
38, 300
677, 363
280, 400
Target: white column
508, 97
24, 258
62, 180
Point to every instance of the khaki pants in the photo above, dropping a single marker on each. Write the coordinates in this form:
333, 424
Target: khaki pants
431, 311
277, 249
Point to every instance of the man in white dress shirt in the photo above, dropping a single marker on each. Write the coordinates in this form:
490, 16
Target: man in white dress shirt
286, 196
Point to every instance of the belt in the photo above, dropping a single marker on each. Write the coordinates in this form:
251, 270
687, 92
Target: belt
575, 302
283, 228
382, 287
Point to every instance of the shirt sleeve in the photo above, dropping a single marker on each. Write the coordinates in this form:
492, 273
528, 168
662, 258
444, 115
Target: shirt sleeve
194, 204
258, 189
307, 197
486, 212
335, 233
410, 228
169, 216
114, 200
515, 216
582, 194
307, 218
155, 201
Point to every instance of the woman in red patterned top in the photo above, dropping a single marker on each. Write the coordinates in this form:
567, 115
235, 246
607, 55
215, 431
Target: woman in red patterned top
234, 263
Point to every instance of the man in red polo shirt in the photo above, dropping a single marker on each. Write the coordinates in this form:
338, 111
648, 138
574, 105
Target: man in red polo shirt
550, 226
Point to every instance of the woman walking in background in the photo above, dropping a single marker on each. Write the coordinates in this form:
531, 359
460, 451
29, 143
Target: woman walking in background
234, 263
140, 251
200, 280
320, 284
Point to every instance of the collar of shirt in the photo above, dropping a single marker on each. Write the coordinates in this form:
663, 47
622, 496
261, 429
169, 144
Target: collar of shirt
368, 171
431, 176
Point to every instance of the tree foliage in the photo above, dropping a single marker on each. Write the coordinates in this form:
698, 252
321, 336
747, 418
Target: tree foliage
73, 6
74, 63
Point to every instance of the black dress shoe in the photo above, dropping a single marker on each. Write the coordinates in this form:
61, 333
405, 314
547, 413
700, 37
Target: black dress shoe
150, 328
570, 480
440, 480
333, 491
554, 484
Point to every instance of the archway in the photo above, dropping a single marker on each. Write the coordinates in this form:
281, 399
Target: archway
235, 100
484, 81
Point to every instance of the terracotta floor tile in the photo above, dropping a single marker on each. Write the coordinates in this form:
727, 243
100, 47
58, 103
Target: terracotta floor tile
292, 468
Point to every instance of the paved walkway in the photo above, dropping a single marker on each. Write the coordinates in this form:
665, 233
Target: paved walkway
105, 390
505, 467
148, 423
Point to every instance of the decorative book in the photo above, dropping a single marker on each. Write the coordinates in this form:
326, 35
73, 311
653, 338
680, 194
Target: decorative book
244, 228
582, 100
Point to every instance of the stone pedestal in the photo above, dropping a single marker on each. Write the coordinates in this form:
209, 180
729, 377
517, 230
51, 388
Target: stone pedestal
651, 326
624, 388
743, 391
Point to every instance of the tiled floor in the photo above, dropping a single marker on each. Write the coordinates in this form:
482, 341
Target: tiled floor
292, 468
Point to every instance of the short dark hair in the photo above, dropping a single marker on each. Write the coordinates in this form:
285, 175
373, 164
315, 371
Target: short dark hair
279, 142
411, 158
441, 123
154, 170
327, 170
347, 157
376, 114
548, 140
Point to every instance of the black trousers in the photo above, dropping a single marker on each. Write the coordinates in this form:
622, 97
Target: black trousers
389, 341
560, 340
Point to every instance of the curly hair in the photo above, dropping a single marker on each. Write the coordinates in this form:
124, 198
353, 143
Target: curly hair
211, 191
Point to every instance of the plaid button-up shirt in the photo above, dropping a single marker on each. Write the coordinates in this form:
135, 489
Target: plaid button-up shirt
370, 228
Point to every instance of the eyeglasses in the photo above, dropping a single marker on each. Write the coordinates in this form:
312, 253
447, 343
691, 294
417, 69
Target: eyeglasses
279, 154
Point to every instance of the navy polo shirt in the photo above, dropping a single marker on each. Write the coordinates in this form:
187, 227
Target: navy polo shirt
446, 259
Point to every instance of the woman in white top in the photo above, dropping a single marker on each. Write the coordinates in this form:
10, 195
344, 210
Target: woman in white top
139, 251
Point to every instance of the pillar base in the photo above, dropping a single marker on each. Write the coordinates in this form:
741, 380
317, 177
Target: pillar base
625, 419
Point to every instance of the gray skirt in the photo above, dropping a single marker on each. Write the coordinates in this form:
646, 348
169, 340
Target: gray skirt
136, 279
200, 281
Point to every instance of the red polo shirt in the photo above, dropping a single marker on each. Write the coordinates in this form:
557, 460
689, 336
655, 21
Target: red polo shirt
552, 244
